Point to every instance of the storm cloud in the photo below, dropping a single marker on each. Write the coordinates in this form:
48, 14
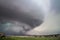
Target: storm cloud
24, 12
51, 24
30, 17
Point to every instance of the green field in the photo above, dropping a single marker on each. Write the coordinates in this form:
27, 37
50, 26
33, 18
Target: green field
31, 38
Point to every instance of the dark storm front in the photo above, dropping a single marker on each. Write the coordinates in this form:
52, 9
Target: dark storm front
30, 17
18, 16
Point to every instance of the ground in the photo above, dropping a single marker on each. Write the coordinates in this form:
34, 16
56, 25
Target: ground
30, 38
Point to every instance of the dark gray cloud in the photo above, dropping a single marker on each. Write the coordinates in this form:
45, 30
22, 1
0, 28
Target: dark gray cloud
21, 11
17, 12
14, 27
51, 23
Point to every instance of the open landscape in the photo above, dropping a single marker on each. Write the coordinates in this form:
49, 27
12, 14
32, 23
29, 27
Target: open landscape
29, 19
29, 38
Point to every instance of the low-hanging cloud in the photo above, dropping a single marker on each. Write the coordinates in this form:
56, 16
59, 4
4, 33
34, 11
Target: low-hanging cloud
51, 23
14, 27
25, 12
50, 26
20, 17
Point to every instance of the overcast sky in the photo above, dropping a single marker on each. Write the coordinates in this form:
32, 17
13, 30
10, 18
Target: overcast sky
51, 24
24, 12
35, 16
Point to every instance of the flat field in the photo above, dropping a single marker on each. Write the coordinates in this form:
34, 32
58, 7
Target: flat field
31, 38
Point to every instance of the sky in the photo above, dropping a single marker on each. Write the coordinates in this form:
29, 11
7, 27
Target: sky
26, 13
51, 24
29, 17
